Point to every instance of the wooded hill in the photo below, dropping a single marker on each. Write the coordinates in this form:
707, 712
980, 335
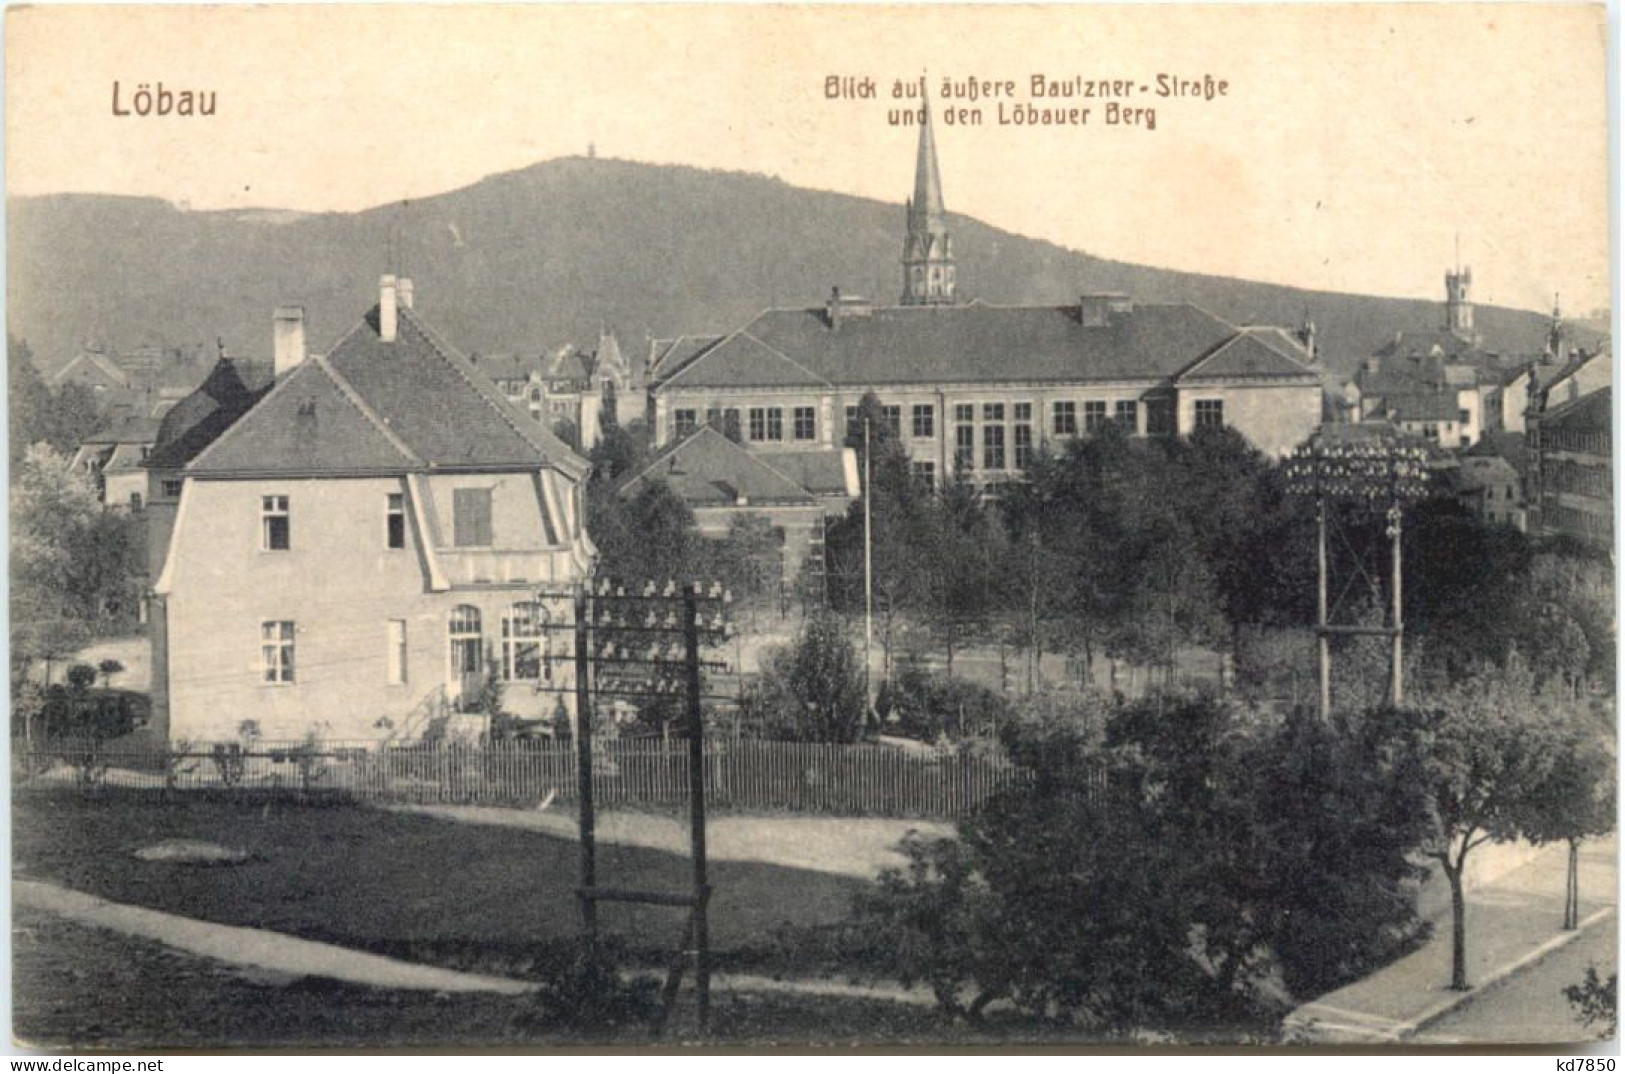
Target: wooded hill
533, 258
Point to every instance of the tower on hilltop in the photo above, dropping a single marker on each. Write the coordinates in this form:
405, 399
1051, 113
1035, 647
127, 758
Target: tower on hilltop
928, 250
1458, 302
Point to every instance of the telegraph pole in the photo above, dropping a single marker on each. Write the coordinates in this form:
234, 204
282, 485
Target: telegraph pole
1325, 638
868, 582
701, 929
1396, 616
589, 869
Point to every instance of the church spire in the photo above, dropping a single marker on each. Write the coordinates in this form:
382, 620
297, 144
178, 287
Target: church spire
928, 253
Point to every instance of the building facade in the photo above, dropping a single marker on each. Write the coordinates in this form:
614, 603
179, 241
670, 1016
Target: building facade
567, 389
1571, 475
979, 388
356, 554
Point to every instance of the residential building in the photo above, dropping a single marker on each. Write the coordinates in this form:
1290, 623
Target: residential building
1447, 384
116, 457
1491, 488
188, 427
1571, 488
96, 371
794, 491
567, 389
356, 554
978, 387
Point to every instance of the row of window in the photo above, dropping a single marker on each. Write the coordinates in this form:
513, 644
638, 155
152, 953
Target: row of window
1594, 481
766, 424
471, 516
1577, 440
524, 655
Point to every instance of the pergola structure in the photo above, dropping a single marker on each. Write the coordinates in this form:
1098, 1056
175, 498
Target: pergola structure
1358, 471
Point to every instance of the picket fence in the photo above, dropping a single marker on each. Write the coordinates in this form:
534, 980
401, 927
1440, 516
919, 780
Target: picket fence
743, 775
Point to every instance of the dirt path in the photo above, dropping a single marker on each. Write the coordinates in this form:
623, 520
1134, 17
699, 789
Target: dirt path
292, 957
858, 847
256, 948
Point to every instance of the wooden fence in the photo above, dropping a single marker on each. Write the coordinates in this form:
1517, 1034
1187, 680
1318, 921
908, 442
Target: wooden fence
743, 775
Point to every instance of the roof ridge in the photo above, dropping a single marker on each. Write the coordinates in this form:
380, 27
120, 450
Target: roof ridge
825, 381
235, 428
704, 354
348, 391
711, 342
668, 453
493, 398
757, 457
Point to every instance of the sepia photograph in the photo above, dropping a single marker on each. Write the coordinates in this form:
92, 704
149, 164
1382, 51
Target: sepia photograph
768, 526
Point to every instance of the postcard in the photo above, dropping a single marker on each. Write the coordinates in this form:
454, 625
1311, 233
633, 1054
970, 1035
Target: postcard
917, 527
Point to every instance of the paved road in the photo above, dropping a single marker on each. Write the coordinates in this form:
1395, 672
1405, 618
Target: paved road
1530, 1007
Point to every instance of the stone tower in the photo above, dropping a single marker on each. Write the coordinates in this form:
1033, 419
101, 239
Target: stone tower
1458, 302
928, 251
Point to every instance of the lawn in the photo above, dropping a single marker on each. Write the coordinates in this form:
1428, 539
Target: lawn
414, 886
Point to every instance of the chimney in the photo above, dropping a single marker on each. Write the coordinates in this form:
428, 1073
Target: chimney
387, 314
833, 307
405, 289
288, 338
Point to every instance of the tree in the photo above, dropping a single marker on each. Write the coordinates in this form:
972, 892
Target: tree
107, 669
28, 401
815, 686
619, 451
652, 536
75, 415
749, 559
1575, 802
900, 528
1488, 746
567, 430
1155, 876
1065, 895
965, 558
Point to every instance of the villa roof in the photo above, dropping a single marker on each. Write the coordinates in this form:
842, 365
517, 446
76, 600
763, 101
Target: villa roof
408, 405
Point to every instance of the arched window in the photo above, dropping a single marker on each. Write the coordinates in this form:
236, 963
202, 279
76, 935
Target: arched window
465, 638
522, 643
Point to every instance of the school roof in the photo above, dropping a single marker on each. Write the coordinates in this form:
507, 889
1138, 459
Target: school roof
975, 344
413, 404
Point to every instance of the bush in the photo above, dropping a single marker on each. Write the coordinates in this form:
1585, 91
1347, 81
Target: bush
1596, 1001
1164, 876
813, 689
584, 990
923, 705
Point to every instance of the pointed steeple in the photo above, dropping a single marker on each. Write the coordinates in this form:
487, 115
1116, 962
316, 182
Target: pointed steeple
928, 252
927, 177
1556, 344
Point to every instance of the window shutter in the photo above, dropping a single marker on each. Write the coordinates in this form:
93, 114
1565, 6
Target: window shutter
471, 509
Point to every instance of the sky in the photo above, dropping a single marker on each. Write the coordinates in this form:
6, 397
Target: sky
1355, 149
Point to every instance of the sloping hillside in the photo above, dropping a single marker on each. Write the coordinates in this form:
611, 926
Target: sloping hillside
533, 258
